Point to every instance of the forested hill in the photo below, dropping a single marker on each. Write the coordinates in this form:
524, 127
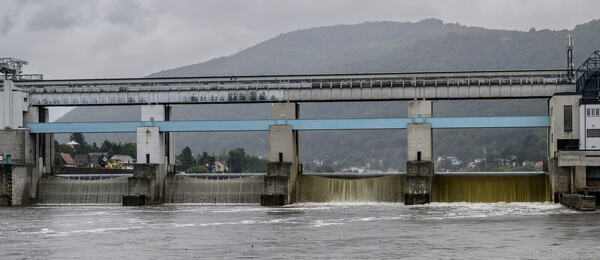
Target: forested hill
428, 45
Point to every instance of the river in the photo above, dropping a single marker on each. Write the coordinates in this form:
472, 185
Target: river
302, 231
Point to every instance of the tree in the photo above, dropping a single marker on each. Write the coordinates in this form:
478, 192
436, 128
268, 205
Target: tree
237, 160
186, 159
324, 168
206, 160
255, 164
79, 138
129, 149
197, 169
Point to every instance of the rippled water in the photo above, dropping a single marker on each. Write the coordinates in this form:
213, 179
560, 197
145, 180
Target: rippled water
438, 230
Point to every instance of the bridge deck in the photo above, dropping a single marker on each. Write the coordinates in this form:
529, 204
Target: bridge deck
306, 88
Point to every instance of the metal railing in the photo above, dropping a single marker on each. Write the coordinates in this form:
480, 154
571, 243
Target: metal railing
271, 82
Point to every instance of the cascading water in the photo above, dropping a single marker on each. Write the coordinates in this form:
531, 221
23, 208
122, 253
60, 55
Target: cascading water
247, 188
214, 188
82, 189
456, 187
491, 187
330, 189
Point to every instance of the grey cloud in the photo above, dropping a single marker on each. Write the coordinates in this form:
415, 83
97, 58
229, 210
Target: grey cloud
111, 38
6, 24
58, 15
125, 12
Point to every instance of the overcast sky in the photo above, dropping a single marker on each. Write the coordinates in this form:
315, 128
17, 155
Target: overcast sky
127, 38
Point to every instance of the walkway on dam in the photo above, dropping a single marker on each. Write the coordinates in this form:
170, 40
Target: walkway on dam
298, 88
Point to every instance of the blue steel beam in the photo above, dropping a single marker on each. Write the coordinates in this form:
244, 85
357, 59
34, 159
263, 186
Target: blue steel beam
299, 124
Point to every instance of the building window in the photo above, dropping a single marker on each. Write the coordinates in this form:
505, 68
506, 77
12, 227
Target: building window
568, 118
592, 112
593, 133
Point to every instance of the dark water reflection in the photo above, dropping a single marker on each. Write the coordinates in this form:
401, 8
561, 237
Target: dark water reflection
439, 230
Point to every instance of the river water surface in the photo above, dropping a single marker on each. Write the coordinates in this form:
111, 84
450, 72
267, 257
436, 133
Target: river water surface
303, 231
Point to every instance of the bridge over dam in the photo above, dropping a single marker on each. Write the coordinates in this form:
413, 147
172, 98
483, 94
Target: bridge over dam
297, 88
26, 139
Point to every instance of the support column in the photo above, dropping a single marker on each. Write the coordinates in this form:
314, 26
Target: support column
150, 142
419, 164
18, 172
147, 185
284, 158
565, 134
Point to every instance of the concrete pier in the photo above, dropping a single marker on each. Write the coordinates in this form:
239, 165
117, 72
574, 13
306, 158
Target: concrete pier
146, 186
5, 185
155, 159
419, 165
284, 158
579, 202
24, 157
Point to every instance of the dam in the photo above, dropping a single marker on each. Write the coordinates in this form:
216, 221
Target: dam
247, 188
28, 176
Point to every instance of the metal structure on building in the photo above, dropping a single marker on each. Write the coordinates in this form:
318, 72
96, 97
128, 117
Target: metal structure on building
298, 88
12, 68
588, 78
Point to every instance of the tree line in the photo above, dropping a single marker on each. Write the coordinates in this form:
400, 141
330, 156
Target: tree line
108, 147
236, 161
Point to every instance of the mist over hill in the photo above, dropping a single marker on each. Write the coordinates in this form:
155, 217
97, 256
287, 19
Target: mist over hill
427, 45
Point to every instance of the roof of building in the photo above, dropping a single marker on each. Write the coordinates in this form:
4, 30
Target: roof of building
95, 157
81, 159
67, 158
122, 158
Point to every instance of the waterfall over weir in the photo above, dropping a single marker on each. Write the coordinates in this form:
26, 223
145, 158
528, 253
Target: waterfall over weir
214, 188
348, 188
491, 187
82, 189
454, 187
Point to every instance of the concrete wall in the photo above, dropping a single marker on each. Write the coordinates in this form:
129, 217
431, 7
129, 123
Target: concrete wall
148, 181
150, 141
420, 107
579, 178
417, 186
12, 106
419, 139
157, 112
281, 175
557, 130
419, 165
281, 141
19, 144
163, 144
5, 185
589, 116
22, 185
285, 110
560, 178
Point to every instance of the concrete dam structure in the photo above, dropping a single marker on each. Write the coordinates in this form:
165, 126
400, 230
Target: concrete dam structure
247, 188
27, 174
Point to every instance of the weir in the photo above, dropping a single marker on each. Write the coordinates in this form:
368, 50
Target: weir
491, 187
82, 189
312, 188
205, 188
454, 187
